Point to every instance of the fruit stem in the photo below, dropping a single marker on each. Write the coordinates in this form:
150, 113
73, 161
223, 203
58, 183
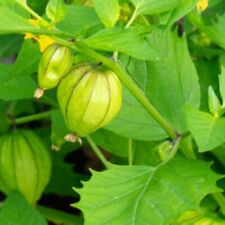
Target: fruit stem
33, 117
98, 152
59, 217
130, 152
175, 148
133, 17
31, 11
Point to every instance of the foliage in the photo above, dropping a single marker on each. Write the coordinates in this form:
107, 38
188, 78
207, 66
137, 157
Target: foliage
162, 156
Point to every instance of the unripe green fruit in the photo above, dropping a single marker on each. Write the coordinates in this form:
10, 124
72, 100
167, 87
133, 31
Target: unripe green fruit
55, 62
89, 97
25, 164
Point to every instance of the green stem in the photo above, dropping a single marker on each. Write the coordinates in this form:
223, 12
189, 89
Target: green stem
31, 11
59, 217
130, 152
30, 118
133, 17
11, 108
186, 148
174, 149
220, 199
97, 151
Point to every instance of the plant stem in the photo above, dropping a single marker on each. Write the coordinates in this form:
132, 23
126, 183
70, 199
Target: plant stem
220, 199
59, 217
31, 11
130, 152
186, 148
174, 149
97, 151
133, 17
33, 117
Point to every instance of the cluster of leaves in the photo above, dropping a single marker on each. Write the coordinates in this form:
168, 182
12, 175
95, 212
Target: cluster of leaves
173, 55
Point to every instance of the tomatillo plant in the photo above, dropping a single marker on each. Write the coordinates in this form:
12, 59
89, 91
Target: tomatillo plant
137, 86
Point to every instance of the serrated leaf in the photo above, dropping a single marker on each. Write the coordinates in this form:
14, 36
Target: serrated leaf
108, 11
214, 103
63, 177
55, 10
17, 211
207, 130
142, 195
116, 39
222, 85
154, 6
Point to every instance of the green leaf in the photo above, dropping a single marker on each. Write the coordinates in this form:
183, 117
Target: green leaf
133, 121
111, 142
55, 10
207, 130
11, 22
22, 2
10, 44
183, 8
122, 40
142, 195
63, 177
73, 23
208, 75
222, 85
154, 6
215, 32
176, 78
59, 129
144, 152
15, 80
214, 103
108, 11
149, 153
3, 119
171, 82
17, 211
